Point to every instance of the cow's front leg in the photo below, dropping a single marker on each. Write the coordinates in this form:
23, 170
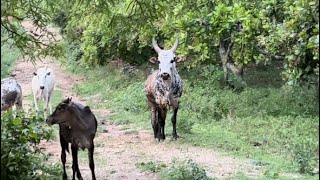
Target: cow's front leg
162, 120
154, 120
49, 103
46, 102
35, 100
174, 122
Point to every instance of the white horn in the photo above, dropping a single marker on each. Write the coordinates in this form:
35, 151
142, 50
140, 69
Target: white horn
174, 47
155, 45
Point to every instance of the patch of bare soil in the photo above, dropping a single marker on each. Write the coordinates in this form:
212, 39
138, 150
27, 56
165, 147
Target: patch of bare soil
118, 149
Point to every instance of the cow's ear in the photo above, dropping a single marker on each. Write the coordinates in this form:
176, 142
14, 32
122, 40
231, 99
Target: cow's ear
48, 73
67, 101
154, 60
87, 109
179, 59
34, 73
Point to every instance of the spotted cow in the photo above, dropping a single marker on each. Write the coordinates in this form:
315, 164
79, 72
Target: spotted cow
11, 94
163, 89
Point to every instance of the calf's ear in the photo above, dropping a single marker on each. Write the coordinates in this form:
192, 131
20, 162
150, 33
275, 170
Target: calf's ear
154, 60
87, 109
69, 99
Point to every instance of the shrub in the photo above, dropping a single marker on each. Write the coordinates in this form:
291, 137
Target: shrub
20, 156
178, 170
184, 170
304, 154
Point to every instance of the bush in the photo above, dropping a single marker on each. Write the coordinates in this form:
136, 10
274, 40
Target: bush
20, 156
151, 166
304, 154
61, 19
178, 170
184, 170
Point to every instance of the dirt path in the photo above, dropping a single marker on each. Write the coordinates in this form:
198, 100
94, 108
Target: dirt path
119, 148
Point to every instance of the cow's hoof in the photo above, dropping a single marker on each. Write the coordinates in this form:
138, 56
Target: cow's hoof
174, 137
64, 177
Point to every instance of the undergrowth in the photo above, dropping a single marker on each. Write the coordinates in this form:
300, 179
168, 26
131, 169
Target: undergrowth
274, 124
21, 158
176, 170
9, 56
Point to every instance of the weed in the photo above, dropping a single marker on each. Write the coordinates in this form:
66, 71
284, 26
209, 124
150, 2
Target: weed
151, 166
304, 155
271, 174
177, 170
184, 170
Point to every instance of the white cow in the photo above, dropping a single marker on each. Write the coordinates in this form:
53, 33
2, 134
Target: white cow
43, 83
11, 94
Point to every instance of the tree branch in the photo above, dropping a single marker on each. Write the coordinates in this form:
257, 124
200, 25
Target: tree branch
235, 69
229, 48
275, 57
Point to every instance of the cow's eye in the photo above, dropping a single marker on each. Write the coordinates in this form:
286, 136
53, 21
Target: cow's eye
59, 108
173, 60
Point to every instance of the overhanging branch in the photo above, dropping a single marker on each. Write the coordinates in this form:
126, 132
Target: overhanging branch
272, 56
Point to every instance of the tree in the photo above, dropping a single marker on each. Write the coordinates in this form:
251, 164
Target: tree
32, 44
292, 30
231, 33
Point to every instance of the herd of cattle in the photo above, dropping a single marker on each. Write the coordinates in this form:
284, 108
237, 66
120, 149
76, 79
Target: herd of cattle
77, 123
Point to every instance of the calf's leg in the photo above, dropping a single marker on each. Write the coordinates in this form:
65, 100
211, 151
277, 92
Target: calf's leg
35, 100
64, 145
75, 166
91, 161
49, 103
46, 99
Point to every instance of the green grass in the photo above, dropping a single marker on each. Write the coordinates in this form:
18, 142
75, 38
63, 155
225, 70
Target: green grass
57, 97
176, 170
9, 55
268, 122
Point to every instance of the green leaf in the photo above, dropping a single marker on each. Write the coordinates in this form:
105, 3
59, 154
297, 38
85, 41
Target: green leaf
17, 121
34, 135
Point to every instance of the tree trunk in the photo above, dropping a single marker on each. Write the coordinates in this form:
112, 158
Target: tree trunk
227, 62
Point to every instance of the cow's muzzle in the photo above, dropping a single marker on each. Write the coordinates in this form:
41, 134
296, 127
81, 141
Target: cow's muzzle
165, 76
49, 122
